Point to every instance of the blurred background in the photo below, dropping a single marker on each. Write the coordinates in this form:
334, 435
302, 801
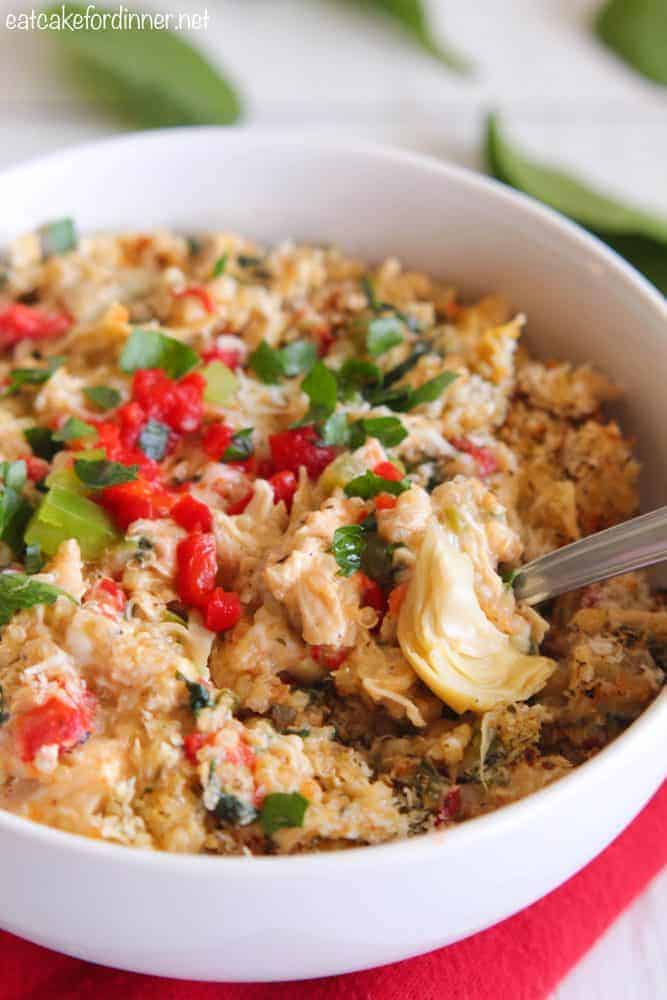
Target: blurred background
339, 68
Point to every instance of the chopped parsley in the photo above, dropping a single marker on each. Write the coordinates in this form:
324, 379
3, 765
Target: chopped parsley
42, 441
271, 364
347, 546
18, 377
369, 485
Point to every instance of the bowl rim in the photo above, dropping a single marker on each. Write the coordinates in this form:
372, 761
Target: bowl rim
480, 828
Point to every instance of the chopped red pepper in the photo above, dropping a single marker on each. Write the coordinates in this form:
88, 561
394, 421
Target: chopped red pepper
222, 610
192, 514
193, 742
450, 807
396, 598
198, 292
36, 468
109, 434
19, 322
372, 594
227, 355
139, 499
486, 461
300, 446
240, 505
177, 403
217, 438
283, 485
385, 501
108, 595
328, 656
197, 568
387, 470
55, 721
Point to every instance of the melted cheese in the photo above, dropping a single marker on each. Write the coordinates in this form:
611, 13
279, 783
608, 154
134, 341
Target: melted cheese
450, 643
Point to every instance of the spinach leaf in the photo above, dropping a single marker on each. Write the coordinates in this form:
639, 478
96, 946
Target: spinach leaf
98, 473
241, 446
638, 235
153, 439
636, 30
280, 810
151, 76
153, 349
410, 16
103, 396
19, 591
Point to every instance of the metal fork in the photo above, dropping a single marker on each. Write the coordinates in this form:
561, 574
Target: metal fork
632, 545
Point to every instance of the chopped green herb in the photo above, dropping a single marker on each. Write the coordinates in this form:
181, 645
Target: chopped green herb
241, 446
389, 431
347, 547
57, 237
267, 363
103, 396
15, 511
234, 811
377, 560
73, 429
42, 442
298, 357
100, 473
336, 430
369, 485
18, 591
433, 389
394, 374
220, 266
281, 810
200, 696
382, 334
153, 439
356, 376
221, 382
33, 559
153, 349
321, 387
18, 377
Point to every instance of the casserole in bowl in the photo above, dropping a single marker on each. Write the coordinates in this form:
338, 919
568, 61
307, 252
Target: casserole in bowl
383, 214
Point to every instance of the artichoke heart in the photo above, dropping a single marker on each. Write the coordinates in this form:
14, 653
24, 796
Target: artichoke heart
450, 643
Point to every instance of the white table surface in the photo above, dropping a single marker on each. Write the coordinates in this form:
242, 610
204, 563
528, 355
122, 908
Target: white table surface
327, 69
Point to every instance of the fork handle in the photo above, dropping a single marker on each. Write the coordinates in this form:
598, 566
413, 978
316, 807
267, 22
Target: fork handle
632, 545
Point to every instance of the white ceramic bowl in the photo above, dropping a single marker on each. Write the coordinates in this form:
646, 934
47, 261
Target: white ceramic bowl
282, 918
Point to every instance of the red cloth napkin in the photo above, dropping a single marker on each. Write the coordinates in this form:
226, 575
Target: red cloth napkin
522, 958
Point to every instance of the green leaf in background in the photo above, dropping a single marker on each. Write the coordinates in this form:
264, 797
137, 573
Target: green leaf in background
637, 235
637, 31
410, 15
153, 77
